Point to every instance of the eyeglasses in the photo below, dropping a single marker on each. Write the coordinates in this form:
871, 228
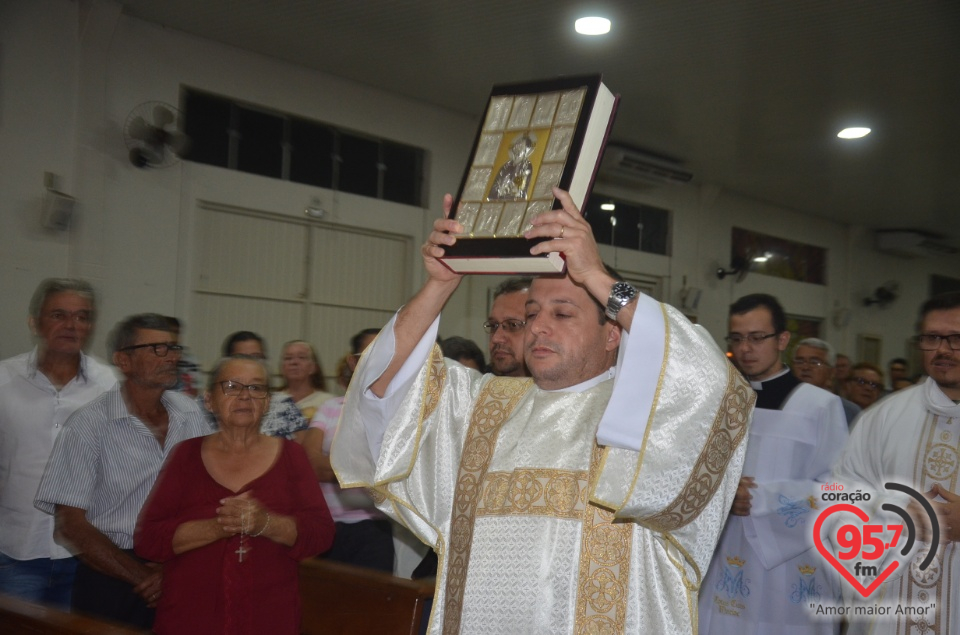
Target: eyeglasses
79, 317
866, 382
931, 342
234, 388
510, 326
735, 339
809, 361
160, 349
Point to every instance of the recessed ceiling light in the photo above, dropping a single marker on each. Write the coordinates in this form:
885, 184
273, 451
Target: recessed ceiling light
608, 207
592, 26
853, 133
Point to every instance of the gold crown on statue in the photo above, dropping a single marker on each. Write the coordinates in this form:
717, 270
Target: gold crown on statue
807, 570
736, 562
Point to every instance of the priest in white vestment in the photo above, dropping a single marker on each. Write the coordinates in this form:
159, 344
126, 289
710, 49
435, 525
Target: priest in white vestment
912, 437
588, 499
766, 573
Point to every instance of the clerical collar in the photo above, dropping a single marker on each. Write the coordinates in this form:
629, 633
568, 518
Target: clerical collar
758, 385
590, 383
773, 392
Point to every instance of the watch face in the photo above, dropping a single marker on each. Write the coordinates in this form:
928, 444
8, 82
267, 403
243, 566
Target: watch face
623, 291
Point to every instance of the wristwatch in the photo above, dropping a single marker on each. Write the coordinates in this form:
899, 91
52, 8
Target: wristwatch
621, 294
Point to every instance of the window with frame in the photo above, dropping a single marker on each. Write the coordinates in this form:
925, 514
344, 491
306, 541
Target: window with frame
628, 225
779, 257
244, 137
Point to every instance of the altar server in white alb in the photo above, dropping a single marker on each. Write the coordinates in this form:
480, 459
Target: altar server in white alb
586, 499
912, 438
766, 573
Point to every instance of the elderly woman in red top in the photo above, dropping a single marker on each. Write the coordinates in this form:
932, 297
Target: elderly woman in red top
230, 517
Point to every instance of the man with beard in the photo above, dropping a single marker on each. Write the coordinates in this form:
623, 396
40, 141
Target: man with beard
586, 499
104, 464
505, 327
912, 438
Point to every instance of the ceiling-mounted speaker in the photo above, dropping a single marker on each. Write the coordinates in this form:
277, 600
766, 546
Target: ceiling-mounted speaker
58, 210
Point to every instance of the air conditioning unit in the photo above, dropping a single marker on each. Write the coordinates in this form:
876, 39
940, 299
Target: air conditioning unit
621, 163
908, 243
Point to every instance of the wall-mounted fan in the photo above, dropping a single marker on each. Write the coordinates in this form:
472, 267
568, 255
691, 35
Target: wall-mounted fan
739, 267
884, 294
153, 137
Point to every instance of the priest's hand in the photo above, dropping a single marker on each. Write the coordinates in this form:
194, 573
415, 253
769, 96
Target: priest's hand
441, 236
571, 236
417, 315
741, 500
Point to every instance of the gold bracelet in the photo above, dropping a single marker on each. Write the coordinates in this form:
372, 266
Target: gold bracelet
264, 528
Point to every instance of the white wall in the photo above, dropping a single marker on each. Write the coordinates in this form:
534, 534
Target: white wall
70, 73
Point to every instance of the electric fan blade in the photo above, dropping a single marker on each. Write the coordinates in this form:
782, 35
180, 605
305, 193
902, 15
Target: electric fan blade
139, 129
162, 116
178, 142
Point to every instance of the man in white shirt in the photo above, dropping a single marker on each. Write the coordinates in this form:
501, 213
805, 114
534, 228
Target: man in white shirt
38, 391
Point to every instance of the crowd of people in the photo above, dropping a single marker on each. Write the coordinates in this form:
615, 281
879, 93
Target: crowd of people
609, 469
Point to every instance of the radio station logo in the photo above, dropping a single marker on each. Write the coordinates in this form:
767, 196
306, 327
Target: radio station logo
859, 548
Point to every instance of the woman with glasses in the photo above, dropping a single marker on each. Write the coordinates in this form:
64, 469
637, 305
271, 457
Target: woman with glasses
230, 517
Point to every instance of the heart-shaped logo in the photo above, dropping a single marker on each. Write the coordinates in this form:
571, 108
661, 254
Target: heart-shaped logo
826, 552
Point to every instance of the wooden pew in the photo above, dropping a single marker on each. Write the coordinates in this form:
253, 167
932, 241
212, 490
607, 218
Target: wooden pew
340, 599
23, 618
336, 599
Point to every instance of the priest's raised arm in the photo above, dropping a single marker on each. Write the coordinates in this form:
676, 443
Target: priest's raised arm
590, 496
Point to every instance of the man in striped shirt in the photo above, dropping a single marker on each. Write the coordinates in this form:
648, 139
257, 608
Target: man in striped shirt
104, 464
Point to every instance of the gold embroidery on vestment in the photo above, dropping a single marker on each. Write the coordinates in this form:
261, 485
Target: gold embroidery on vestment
727, 432
494, 404
534, 492
935, 463
604, 576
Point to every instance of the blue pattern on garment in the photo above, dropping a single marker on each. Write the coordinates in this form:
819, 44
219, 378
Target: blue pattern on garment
806, 590
794, 510
733, 582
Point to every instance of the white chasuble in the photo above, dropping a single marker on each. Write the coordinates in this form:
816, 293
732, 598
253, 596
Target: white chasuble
766, 572
911, 437
537, 528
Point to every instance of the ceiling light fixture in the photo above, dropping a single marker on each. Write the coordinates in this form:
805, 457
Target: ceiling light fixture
853, 133
592, 26
608, 207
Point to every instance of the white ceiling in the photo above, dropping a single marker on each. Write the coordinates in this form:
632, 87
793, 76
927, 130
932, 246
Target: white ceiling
748, 94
